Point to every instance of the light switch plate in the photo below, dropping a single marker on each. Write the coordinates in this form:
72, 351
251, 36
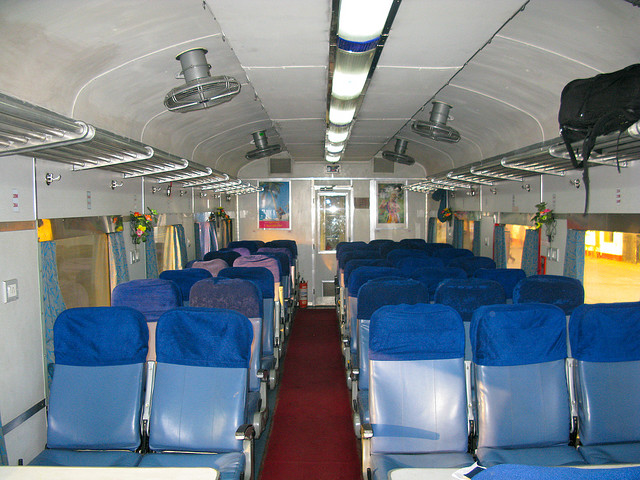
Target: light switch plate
10, 290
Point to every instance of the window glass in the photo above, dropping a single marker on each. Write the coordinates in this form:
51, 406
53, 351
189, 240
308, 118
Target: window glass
441, 231
611, 267
333, 221
83, 271
514, 237
166, 247
467, 240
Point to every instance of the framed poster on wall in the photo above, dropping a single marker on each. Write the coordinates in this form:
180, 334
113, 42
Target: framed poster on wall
274, 205
391, 205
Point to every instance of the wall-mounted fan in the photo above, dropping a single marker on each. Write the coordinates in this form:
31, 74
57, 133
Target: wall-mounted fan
200, 90
263, 149
436, 127
398, 154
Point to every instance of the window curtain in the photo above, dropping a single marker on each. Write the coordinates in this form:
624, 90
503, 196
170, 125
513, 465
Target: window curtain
3, 448
530, 252
204, 236
180, 246
458, 233
431, 231
477, 238
574, 255
52, 302
214, 237
499, 246
151, 257
118, 267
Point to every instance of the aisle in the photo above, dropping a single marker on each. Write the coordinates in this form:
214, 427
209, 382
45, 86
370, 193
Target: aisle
312, 435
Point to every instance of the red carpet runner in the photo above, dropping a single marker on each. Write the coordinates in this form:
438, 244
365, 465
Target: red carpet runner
312, 435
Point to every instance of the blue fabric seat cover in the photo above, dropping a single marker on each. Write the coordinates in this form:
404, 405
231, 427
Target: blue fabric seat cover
394, 256
152, 297
507, 277
227, 255
528, 472
351, 265
451, 253
289, 244
185, 279
432, 276
465, 295
413, 243
471, 264
564, 292
408, 265
250, 245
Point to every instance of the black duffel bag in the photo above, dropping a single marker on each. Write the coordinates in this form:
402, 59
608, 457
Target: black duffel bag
595, 106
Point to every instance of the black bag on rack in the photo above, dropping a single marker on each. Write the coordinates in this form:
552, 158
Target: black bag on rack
595, 106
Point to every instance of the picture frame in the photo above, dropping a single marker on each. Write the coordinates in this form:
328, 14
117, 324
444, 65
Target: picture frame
274, 205
391, 205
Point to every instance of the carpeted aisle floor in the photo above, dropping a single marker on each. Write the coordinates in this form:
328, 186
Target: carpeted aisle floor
312, 435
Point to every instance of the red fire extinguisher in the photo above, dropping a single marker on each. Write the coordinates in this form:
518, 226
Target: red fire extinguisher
302, 294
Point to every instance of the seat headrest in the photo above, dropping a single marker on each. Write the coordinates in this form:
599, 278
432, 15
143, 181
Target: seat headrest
185, 278
261, 276
362, 275
416, 332
289, 244
383, 291
213, 266
345, 255
564, 292
606, 332
507, 277
242, 296
432, 276
100, 336
204, 337
471, 264
265, 261
465, 295
152, 297
227, 255
250, 245
351, 265
523, 334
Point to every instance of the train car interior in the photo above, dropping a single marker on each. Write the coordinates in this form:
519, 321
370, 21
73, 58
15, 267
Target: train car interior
339, 239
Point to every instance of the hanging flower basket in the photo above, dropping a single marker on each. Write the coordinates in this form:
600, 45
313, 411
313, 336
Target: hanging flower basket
141, 225
545, 216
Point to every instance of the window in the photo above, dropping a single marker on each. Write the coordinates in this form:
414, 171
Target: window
467, 241
611, 267
333, 221
514, 237
441, 231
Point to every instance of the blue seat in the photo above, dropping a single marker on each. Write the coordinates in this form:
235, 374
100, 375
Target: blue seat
413, 243
250, 245
507, 277
450, 253
408, 265
379, 242
394, 256
152, 297
263, 278
291, 245
605, 342
228, 256
351, 265
431, 247
213, 266
185, 279
465, 295
242, 296
519, 354
374, 294
417, 391
564, 292
432, 276
96, 394
516, 472
385, 248
471, 264
199, 394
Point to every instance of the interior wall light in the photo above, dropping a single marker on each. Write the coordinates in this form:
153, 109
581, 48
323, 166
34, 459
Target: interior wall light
49, 178
155, 190
526, 187
183, 192
575, 183
494, 191
115, 184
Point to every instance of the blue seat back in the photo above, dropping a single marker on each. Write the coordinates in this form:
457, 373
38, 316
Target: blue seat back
227, 255
417, 394
431, 247
385, 248
379, 242
185, 279
465, 295
96, 391
351, 265
519, 353
362, 275
507, 277
414, 243
250, 245
212, 266
377, 293
394, 256
564, 292
432, 276
152, 297
346, 255
514, 471
408, 265
471, 264
346, 246
201, 380
451, 253
605, 341
291, 245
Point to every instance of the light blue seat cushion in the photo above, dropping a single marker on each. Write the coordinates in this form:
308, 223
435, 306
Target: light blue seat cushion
611, 453
556, 456
230, 465
381, 465
526, 472
363, 406
107, 458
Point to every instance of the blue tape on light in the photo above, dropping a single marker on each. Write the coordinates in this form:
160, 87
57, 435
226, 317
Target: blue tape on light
356, 47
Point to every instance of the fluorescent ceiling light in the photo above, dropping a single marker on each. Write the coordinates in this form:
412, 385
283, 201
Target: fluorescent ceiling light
350, 73
341, 112
337, 134
362, 20
334, 147
331, 157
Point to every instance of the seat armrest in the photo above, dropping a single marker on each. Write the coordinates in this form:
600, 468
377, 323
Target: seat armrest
366, 430
263, 375
245, 432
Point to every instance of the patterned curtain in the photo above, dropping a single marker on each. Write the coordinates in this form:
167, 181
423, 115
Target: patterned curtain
530, 251
150, 255
477, 238
499, 246
458, 233
52, 302
180, 250
431, 231
118, 267
574, 256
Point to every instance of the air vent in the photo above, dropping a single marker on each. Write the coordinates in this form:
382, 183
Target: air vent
436, 128
380, 165
398, 155
279, 165
263, 149
200, 90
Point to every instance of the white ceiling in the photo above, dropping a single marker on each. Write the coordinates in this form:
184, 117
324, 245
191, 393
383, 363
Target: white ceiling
501, 66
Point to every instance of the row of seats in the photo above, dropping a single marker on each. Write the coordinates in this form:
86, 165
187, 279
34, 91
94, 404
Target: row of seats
106, 409
520, 401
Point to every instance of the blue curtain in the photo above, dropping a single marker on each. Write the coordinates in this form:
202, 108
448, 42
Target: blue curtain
118, 267
151, 259
52, 302
530, 252
458, 233
4, 460
431, 231
477, 238
499, 247
574, 255
180, 246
